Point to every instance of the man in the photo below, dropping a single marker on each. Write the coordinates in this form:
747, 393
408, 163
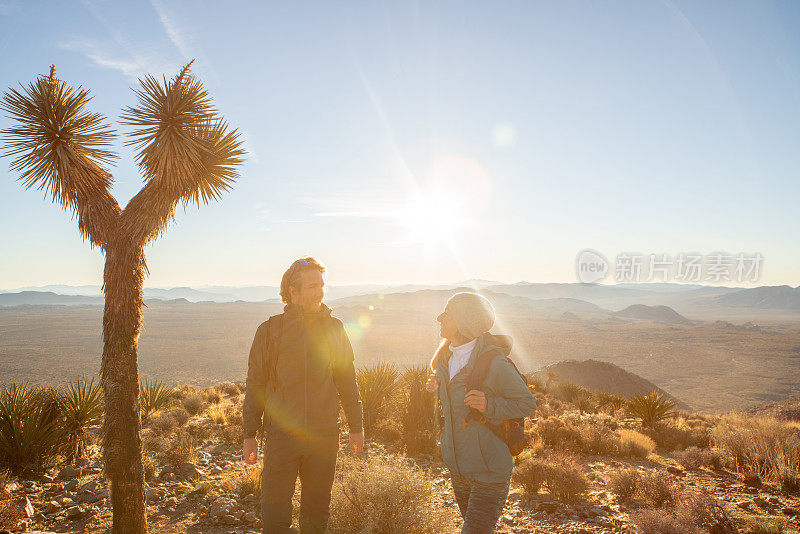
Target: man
298, 363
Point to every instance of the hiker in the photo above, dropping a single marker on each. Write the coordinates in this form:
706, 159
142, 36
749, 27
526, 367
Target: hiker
479, 461
300, 361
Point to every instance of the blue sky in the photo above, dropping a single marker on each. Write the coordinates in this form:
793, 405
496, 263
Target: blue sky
437, 141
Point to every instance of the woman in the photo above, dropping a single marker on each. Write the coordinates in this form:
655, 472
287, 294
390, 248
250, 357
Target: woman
479, 461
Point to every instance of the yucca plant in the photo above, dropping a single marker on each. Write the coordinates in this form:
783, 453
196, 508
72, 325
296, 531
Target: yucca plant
186, 153
419, 418
82, 405
376, 383
584, 401
153, 396
651, 408
31, 432
610, 401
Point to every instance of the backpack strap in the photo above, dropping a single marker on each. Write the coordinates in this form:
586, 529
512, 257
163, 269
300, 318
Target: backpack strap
274, 332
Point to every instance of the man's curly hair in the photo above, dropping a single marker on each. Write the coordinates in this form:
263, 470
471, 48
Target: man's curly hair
293, 272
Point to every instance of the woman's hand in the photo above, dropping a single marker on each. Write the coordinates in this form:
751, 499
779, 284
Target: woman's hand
433, 384
476, 399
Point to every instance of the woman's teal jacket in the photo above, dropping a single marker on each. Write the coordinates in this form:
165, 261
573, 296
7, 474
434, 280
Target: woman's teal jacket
472, 450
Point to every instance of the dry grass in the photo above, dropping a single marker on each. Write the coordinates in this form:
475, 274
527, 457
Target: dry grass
182, 448
386, 497
765, 446
231, 434
244, 482
194, 403
643, 490
661, 522
635, 444
559, 474
695, 458
228, 388
210, 395
217, 415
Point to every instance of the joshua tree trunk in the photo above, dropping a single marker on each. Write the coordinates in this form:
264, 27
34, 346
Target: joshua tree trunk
122, 445
186, 154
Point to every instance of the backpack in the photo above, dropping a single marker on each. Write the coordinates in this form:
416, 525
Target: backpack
510, 431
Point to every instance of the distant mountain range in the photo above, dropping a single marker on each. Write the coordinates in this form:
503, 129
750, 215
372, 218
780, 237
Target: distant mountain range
651, 299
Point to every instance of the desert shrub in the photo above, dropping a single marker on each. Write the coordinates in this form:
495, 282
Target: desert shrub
419, 412
150, 466
81, 405
651, 408
565, 480
244, 482
671, 438
624, 484
558, 435
634, 488
768, 525
634, 444
155, 444
194, 404
210, 395
181, 449
387, 496
153, 396
654, 490
765, 446
242, 387
789, 480
228, 388
181, 392
577, 435
530, 472
597, 439
708, 513
217, 415
180, 414
232, 434
233, 414
663, 522
31, 429
162, 423
695, 457
376, 383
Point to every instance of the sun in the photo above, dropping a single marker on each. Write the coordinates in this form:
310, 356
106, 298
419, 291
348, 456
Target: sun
433, 219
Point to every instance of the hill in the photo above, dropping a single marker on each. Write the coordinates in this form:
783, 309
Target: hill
661, 314
765, 297
785, 410
603, 376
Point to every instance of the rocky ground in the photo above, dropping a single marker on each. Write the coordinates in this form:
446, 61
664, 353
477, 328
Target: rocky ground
195, 497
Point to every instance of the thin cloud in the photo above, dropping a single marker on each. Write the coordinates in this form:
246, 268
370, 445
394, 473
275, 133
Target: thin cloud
175, 34
101, 54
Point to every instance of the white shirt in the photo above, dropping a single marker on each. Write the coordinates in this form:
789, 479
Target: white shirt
460, 356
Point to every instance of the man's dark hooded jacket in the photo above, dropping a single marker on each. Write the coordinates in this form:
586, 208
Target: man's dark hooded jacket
294, 385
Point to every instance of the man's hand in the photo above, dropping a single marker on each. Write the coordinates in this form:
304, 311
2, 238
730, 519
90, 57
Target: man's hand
476, 399
433, 384
357, 442
250, 450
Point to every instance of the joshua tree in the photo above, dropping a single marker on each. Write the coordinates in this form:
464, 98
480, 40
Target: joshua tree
186, 154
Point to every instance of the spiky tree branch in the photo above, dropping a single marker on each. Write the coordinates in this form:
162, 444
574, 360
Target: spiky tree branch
61, 148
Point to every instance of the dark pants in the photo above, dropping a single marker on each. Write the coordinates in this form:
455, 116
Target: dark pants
286, 457
480, 503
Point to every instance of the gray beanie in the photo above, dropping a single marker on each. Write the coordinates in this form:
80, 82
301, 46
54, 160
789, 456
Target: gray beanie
472, 313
